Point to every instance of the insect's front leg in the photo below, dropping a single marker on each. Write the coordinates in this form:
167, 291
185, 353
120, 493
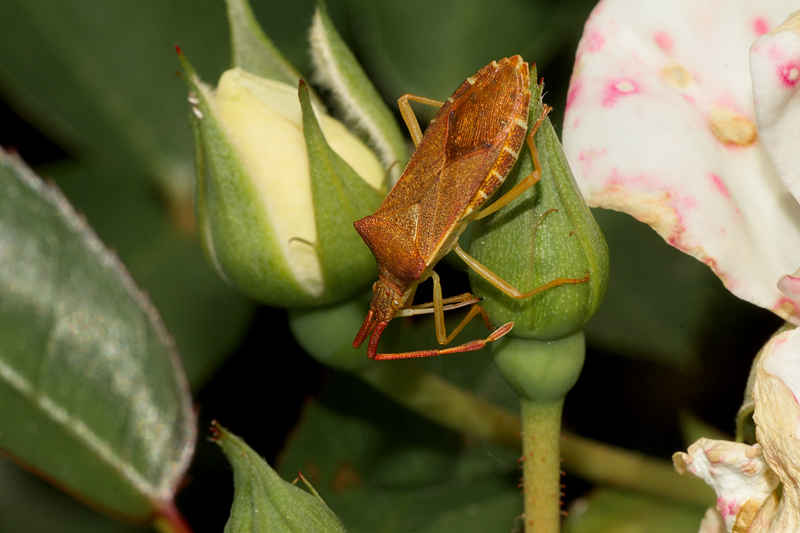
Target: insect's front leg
438, 314
470, 346
410, 118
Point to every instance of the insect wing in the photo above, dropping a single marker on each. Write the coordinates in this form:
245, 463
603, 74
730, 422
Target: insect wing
467, 150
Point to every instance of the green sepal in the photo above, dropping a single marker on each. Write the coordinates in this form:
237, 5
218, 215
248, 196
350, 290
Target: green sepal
340, 197
252, 50
356, 98
262, 501
548, 232
234, 228
541, 371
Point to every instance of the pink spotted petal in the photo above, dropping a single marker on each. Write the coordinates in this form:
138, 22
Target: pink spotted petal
660, 124
775, 71
777, 418
790, 285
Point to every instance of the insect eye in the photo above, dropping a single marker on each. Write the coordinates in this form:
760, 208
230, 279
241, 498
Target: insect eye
397, 304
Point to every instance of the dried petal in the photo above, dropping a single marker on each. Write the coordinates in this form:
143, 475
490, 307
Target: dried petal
712, 522
740, 476
776, 389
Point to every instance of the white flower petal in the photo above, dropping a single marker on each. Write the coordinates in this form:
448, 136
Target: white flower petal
264, 121
739, 475
660, 124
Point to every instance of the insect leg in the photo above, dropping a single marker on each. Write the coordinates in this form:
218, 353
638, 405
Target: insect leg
529, 181
438, 314
410, 118
466, 347
507, 288
437, 307
449, 304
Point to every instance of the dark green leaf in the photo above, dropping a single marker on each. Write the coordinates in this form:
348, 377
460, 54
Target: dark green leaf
428, 48
381, 468
93, 392
99, 76
612, 511
29, 505
206, 317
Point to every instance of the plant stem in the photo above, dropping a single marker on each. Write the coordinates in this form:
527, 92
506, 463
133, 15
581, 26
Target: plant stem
541, 465
541, 373
170, 520
451, 406
444, 403
617, 467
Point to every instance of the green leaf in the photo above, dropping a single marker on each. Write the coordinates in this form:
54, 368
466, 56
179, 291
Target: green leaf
206, 317
263, 501
356, 97
29, 505
427, 47
384, 469
613, 511
99, 78
252, 49
100, 82
93, 393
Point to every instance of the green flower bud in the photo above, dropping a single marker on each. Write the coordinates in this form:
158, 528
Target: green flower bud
279, 183
262, 501
546, 233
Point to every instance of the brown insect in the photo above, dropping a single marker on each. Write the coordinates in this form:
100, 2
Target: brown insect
467, 151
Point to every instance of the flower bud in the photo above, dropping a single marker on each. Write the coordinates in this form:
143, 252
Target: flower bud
546, 233
279, 183
262, 501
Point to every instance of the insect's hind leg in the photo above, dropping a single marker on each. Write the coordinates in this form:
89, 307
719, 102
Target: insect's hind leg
410, 118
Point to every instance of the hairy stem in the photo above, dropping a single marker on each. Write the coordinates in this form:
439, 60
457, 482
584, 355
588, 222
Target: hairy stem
541, 465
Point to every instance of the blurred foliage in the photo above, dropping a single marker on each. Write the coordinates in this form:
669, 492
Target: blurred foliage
93, 103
